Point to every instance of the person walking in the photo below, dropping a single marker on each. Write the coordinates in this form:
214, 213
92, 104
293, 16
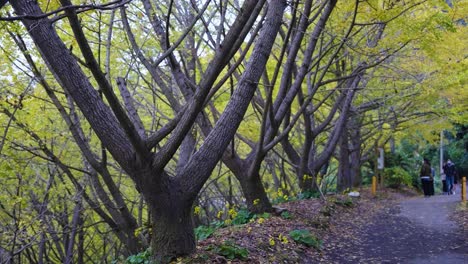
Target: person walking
426, 178
449, 170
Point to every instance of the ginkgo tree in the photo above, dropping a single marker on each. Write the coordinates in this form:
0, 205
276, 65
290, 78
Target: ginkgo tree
156, 90
169, 198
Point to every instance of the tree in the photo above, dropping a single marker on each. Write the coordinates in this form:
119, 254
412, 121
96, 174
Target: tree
170, 198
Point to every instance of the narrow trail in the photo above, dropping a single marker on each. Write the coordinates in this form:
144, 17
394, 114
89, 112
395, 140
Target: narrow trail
432, 215
413, 230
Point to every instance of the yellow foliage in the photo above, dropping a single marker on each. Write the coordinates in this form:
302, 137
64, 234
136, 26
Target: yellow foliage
196, 210
272, 242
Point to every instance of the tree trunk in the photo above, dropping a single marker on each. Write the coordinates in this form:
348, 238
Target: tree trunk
255, 195
172, 231
355, 163
169, 199
343, 181
172, 220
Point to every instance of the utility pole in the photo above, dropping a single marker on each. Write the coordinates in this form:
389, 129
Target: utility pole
441, 162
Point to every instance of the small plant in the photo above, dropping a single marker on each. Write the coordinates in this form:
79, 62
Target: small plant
232, 251
348, 202
140, 258
263, 215
217, 224
286, 215
280, 197
203, 232
243, 216
305, 237
328, 209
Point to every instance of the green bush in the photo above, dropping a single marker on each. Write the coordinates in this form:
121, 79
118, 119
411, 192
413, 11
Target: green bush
395, 177
305, 237
348, 202
140, 258
243, 216
203, 232
232, 251
286, 215
263, 215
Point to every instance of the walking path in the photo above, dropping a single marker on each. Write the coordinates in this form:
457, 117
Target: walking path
443, 238
414, 230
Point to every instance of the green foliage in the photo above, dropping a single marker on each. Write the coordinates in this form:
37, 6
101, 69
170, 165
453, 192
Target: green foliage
263, 215
232, 251
217, 224
243, 216
203, 232
395, 177
305, 237
348, 202
286, 215
280, 199
140, 258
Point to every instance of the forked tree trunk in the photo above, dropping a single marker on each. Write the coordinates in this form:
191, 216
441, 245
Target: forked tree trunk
170, 199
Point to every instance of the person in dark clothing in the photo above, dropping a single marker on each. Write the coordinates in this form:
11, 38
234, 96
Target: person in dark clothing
426, 178
449, 170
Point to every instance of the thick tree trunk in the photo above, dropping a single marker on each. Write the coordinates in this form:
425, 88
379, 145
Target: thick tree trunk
255, 196
172, 219
170, 199
343, 181
172, 231
355, 163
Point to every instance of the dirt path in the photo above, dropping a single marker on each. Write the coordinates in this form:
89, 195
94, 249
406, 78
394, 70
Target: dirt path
413, 230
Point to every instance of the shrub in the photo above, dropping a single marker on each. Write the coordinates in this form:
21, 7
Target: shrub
203, 232
243, 216
305, 237
232, 251
140, 258
395, 177
348, 202
286, 215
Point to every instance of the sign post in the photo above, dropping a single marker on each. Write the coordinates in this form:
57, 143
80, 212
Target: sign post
463, 189
381, 165
374, 185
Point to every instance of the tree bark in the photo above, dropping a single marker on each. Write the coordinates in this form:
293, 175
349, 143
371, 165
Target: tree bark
355, 143
173, 226
344, 174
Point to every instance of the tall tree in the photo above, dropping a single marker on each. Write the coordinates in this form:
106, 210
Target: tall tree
170, 199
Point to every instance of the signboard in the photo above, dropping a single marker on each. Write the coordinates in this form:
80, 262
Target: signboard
380, 160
